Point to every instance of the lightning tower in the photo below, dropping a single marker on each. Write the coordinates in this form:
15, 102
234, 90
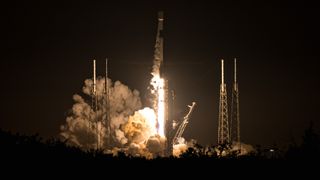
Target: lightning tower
235, 117
94, 88
107, 109
223, 125
94, 105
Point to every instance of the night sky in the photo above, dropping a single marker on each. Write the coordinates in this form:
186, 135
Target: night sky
48, 48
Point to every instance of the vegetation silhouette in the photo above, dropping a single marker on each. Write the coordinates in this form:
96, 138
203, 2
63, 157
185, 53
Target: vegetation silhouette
309, 148
23, 147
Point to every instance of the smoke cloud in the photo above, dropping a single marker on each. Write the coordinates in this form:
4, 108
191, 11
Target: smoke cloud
132, 129
180, 147
245, 148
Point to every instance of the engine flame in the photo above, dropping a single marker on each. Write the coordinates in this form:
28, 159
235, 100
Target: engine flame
159, 103
150, 117
161, 107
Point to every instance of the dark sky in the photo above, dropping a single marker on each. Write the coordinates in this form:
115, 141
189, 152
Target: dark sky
48, 48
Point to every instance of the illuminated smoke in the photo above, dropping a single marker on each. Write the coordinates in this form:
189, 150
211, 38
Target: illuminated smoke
139, 132
140, 126
81, 127
133, 130
180, 147
245, 148
156, 145
77, 129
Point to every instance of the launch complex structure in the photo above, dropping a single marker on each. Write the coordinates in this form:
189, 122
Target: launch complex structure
104, 107
228, 131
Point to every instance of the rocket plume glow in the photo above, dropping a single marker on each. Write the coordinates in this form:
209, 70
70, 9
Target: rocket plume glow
116, 121
161, 106
135, 130
158, 91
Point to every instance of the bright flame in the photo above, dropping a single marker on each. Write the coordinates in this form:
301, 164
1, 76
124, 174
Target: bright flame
161, 107
140, 126
150, 118
158, 85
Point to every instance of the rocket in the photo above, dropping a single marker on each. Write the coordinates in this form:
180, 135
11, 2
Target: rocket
159, 42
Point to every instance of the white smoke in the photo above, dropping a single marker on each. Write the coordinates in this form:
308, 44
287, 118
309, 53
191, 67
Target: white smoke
140, 126
140, 130
180, 147
81, 127
245, 148
156, 145
77, 129
132, 130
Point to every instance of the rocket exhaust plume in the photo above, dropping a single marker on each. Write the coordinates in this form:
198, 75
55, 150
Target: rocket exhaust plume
158, 92
115, 120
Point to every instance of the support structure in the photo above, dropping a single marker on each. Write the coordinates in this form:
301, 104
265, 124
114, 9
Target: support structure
107, 109
223, 125
94, 106
183, 124
235, 115
94, 88
101, 106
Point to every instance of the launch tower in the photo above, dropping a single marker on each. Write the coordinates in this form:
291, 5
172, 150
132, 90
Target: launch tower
223, 125
235, 116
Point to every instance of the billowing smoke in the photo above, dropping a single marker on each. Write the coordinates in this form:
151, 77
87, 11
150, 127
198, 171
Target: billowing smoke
245, 148
132, 129
77, 129
180, 147
140, 126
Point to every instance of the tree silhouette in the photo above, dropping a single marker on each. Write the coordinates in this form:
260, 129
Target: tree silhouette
311, 143
309, 149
